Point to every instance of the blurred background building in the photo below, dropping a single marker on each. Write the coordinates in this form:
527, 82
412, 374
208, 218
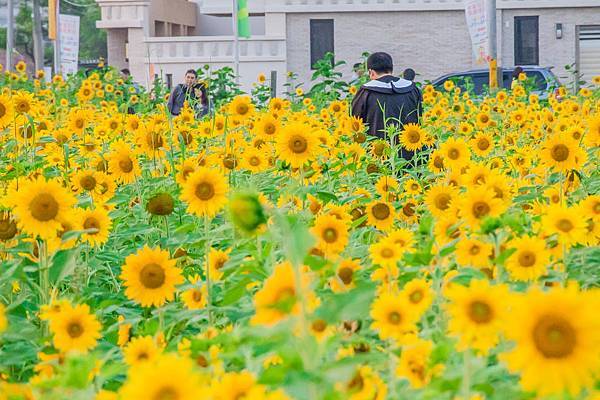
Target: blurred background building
166, 37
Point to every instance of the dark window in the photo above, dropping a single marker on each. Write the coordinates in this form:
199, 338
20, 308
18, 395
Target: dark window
169, 81
321, 39
527, 41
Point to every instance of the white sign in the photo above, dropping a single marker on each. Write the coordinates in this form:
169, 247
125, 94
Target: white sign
477, 24
69, 43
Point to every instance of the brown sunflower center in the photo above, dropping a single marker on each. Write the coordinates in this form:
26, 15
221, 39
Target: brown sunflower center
453, 154
394, 318
480, 209
413, 137
166, 393
44, 207
346, 274
2, 110
474, 250
564, 225
560, 152
438, 162
254, 161
269, 128
319, 325
330, 235
381, 211
92, 223
8, 229
126, 165
554, 336
88, 182
387, 253
74, 329
480, 312
409, 209
442, 201
416, 296
197, 295
242, 108
483, 144
298, 144
79, 123
205, 191
152, 276
527, 258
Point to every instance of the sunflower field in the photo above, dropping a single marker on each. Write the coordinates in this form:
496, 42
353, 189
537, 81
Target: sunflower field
275, 251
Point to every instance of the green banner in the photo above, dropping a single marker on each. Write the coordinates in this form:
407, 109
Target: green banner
243, 19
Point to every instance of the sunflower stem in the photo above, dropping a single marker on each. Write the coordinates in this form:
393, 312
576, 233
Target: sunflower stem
208, 284
466, 381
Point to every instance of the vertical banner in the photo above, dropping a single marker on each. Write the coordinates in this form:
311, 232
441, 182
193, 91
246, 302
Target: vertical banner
52, 19
243, 19
477, 24
69, 43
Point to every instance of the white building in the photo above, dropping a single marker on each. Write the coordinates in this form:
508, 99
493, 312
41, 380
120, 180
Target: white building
167, 37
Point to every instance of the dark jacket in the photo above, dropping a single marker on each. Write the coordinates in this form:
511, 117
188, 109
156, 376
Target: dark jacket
180, 94
388, 98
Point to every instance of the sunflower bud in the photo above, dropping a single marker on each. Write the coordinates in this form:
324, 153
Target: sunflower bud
160, 204
246, 212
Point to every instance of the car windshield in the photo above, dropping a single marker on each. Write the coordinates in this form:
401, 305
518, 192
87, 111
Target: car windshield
478, 81
536, 76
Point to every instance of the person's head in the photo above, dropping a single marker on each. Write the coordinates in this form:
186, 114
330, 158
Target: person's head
190, 77
409, 74
125, 73
518, 71
380, 64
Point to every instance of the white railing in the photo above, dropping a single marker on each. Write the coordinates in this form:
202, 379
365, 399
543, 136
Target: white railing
218, 7
214, 49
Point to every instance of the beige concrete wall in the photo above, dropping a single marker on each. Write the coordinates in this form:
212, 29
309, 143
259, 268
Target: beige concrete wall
180, 12
116, 40
432, 43
553, 52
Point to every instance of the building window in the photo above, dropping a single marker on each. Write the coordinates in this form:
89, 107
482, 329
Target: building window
527, 48
321, 39
169, 81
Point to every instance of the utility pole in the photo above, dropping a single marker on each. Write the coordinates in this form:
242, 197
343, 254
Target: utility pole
10, 35
57, 54
495, 78
38, 44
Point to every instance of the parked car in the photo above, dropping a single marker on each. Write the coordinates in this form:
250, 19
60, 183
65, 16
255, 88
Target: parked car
544, 79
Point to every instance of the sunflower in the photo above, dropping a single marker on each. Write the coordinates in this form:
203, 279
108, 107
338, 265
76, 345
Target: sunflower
478, 204
386, 254
530, 259
167, 377
266, 127
440, 198
403, 238
150, 277
393, 316
23, 102
6, 111
419, 294
412, 187
238, 385
414, 363
331, 234
363, 384
205, 191
40, 205
196, 297
456, 153
141, 350
483, 119
387, 187
565, 222
278, 297
381, 214
482, 144
477, 314
98, 223
557, 334
123, 164
473, 252
412, 137
562, 153
75, 328
296, 145
254, 160
345, 275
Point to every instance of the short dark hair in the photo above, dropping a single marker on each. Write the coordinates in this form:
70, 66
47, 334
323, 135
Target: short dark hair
517, 72
126, 71
192, 71
409, 74
380, 62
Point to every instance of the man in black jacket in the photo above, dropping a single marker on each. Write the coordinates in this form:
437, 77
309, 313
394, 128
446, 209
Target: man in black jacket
190, 91
387, 100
